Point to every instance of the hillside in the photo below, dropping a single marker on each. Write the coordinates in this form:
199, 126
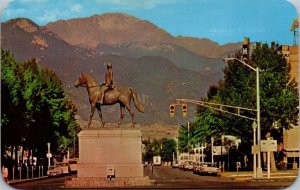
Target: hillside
156, 79
123, 34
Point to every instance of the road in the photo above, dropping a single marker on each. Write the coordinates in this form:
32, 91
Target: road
167, 177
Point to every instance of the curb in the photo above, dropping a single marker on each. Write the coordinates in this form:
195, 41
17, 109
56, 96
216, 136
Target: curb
26, 180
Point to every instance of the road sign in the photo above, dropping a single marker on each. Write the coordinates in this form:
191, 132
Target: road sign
254, 149
220, 150
49, 155
110, 171
268, 145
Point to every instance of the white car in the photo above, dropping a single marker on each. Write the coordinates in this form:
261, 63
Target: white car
54, 171
175, 164
188, 165
209, 168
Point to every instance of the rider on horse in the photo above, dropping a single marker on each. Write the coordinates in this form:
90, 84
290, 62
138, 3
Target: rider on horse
108, 84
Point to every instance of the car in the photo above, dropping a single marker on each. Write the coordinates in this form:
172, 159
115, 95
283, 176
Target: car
175, 164
54, 171
196, 167
64, 167
73, 166
188, 165
209, 168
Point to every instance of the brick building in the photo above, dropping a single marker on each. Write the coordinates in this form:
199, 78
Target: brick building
291, 137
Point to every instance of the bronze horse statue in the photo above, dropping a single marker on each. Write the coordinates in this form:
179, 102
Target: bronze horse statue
121, 95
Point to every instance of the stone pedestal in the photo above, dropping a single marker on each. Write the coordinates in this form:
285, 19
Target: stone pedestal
100, 149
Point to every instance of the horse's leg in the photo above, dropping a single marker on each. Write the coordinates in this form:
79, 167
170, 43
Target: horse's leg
91, 115
122, 114
100, 115
131, 111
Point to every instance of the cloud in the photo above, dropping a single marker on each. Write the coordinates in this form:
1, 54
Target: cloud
148, 4
49, 16
76, 8
11, 13
33, 1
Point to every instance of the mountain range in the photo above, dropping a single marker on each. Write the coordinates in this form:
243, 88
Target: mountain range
159, 66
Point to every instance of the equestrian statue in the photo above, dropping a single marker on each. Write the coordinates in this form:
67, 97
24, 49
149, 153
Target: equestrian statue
106, 94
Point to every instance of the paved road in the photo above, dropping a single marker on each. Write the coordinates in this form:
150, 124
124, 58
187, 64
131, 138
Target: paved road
167, 177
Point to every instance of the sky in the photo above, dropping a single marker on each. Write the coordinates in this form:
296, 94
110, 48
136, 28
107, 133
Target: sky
222, 21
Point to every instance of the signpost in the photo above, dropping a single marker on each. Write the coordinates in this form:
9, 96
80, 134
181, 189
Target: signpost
110, 171
268, 146
49, 155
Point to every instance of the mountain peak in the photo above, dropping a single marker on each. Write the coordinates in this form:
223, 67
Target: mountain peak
114, 29
23, 23
117, 16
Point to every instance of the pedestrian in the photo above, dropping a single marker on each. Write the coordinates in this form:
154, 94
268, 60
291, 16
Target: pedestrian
69, 172
152, 167
5, 174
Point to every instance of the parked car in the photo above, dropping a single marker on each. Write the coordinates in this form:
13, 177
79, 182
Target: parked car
54, 171
188, 165
196, 167
73, 166
64, 167
209, 168
175, 164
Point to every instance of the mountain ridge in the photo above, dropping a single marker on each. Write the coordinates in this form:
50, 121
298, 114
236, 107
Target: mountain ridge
118, 29
156, 79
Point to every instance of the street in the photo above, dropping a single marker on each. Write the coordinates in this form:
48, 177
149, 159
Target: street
167, 177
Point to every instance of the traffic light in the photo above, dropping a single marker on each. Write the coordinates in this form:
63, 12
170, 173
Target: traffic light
184, 110
172, 110
245, 50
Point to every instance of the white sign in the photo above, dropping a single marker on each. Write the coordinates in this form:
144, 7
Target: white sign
49, 155
110, 170
218, 150
268, 145
254, 149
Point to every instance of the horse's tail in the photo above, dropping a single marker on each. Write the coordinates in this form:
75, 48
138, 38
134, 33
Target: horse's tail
136, 102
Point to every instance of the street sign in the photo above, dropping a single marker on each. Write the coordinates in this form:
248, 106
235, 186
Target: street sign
49, 155
268, 145
254, 149
110, 171
220, 150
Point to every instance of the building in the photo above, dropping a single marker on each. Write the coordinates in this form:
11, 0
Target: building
291, 137
291, 54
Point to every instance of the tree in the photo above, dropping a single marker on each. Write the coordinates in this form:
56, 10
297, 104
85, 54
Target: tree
37, 110
164, 147
168, 148
279, 97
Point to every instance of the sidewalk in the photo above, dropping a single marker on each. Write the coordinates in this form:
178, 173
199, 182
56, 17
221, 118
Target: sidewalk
248, 175
25, 180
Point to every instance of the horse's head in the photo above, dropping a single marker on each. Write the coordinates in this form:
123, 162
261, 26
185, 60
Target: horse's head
81, 80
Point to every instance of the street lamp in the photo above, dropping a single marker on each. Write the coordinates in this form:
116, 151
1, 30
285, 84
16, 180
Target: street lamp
259, 169
254, 126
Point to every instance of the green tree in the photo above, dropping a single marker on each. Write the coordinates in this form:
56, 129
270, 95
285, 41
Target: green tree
168, 148
278, 95
37, 110
152, 149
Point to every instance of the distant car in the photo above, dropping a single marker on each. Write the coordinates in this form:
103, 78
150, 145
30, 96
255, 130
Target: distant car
196, 167
188, 165
64, 167
54, 171
145, 163
175, 164
209, 168
73, 166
